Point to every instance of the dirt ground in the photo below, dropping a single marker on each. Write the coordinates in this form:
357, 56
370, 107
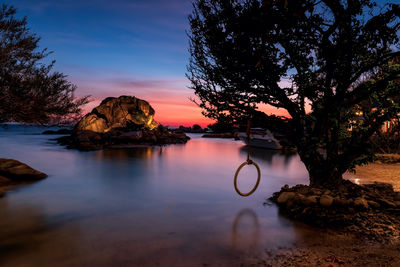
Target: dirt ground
339, 249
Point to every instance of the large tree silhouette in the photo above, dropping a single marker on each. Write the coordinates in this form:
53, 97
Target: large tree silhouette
329, 63
30, 91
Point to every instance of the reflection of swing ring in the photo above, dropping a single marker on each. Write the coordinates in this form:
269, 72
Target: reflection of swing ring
248, 162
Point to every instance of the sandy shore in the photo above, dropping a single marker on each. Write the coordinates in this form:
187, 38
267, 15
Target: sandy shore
377, 172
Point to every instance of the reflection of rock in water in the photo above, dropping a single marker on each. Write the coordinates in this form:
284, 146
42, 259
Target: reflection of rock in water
29, 238
250, 234
128, 153
267, 154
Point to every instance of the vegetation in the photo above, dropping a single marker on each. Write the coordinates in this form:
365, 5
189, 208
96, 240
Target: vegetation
387, 142
30, 91
316, 59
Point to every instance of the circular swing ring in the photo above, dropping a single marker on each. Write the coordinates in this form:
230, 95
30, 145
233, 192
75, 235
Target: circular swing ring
247, 162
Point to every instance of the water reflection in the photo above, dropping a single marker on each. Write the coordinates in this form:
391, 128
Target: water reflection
30, 231
243, 234
127, 154
172, 206
276, 158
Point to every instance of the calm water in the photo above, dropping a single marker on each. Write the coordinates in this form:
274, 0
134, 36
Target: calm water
170, 206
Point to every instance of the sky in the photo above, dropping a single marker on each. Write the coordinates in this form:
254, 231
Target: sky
120, 47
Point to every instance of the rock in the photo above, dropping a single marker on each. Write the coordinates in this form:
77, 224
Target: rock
373, 204
397, 203
386, 203
327, 192
122, 112
310, 201
304, 190
397, 196
326, 201
315, 191
87, 140
18, 171
128, 136
285, 196
341, 202
361, 203
285, 187
298, 198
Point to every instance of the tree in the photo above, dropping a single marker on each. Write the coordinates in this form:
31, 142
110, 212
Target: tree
29, 91
324, 61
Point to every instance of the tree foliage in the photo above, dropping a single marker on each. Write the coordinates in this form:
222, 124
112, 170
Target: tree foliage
30, 91
329, 63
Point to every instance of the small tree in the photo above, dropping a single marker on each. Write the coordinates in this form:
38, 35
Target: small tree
327, 56
29, 91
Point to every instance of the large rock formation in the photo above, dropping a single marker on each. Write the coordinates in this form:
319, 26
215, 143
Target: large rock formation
122, 112
121, 121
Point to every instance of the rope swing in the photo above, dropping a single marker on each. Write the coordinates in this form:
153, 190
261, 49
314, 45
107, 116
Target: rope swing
247, 162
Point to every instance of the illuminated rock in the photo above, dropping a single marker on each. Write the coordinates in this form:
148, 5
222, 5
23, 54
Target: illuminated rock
126, 112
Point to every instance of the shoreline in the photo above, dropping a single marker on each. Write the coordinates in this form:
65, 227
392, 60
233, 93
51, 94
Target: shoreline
340, 248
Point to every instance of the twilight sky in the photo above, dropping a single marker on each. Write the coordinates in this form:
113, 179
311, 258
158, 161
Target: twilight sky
110, 48
115, 47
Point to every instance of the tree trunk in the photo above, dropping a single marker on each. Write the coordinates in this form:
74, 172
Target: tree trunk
322, 172
321, 176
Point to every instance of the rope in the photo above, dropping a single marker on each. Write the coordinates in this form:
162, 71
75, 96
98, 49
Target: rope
247, 162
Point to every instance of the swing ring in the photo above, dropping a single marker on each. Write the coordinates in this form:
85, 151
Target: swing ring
247, 162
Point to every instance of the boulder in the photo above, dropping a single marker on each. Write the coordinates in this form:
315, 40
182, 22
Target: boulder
310, 201
386, 203
88, 140
126, 112
18, 171
285, 197
326, 201
361, 203
341, 202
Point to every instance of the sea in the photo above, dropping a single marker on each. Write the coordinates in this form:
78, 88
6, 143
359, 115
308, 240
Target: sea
173, 205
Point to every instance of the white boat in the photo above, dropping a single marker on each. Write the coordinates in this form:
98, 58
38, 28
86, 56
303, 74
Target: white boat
260, 138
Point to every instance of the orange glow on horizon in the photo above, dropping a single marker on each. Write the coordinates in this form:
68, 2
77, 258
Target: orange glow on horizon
180, 111
173, 107
171, 114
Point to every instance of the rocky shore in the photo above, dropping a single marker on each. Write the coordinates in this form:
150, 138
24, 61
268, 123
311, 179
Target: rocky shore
371, 211
14, 173
89, 140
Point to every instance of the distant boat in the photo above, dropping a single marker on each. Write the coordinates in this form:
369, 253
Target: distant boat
260, 137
